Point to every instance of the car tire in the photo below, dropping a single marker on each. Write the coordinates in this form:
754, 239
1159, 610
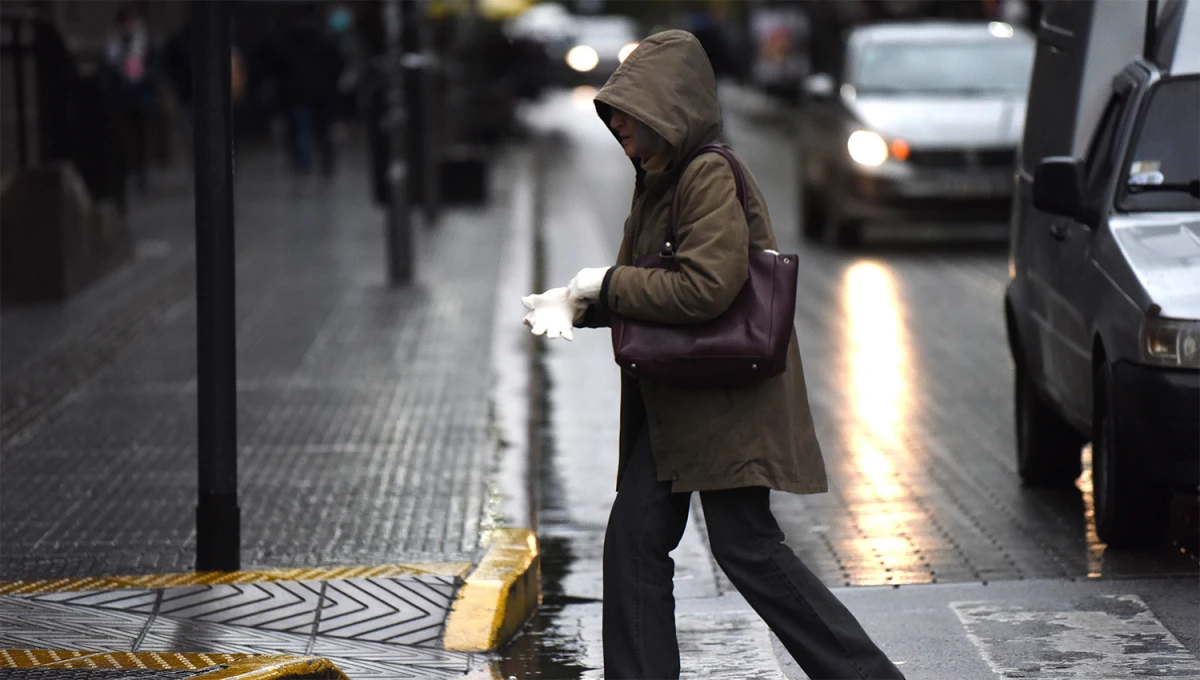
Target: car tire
1049, 450
1130, 512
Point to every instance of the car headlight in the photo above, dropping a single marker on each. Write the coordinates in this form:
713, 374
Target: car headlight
1171, 342
626, 51
582, 58
867, 148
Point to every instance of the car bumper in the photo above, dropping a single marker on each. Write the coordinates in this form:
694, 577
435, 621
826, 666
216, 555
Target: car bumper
1159, 417
929, 197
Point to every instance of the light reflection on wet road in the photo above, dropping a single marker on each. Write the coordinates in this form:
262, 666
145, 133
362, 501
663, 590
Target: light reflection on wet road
910, 381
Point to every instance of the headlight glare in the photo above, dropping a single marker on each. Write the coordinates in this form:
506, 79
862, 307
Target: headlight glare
626, 51
1171, 342
867, 148
582, 58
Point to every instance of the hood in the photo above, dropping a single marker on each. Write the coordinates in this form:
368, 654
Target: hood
1164, 253
940, 121
668, 84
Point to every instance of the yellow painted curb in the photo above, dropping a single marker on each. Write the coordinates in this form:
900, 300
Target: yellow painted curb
77, 658
221, 577
224, 666
277, 667
499, 596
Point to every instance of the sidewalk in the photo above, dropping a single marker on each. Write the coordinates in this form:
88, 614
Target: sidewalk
365, 427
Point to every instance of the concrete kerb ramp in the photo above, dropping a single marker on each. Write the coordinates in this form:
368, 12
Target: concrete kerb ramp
324, 623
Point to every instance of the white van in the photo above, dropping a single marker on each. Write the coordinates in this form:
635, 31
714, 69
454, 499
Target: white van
1103, 306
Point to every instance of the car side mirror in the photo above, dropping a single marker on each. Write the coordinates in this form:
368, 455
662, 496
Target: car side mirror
819, 86
1058, 187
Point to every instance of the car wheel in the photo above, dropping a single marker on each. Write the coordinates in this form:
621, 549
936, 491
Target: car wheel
1130, 512
1048, 448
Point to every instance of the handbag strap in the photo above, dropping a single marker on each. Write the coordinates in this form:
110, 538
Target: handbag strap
739, 181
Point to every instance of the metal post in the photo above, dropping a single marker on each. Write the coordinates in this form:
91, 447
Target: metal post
218, 519
399, 232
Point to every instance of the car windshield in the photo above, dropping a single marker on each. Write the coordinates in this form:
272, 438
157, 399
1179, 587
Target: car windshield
1164, 168
987, 67
606, 29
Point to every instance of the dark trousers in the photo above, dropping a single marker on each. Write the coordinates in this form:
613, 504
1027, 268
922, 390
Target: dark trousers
135, 130
308, 126
646, 524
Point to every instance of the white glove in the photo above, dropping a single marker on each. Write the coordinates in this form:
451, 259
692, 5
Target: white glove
585, 287
551, 314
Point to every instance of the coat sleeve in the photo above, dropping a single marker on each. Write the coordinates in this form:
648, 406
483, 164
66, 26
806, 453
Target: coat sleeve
713, 255
597, 314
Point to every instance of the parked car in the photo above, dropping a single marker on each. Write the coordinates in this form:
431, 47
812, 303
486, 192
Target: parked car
922, 124
1103, 309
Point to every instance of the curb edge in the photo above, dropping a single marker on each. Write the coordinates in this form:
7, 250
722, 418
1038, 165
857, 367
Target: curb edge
499, 596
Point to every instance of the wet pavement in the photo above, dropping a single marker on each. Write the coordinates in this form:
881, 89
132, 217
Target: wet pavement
365, 428
910, 381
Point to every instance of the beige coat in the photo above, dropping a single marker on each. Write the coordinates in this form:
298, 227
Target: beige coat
702, 439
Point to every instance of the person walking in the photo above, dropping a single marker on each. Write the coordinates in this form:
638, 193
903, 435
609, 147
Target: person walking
307, 66
132, 73
733, 446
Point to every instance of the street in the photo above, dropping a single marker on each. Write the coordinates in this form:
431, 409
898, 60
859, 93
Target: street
269, 408
910, 380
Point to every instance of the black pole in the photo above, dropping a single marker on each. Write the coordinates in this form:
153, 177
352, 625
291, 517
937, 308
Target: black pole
399, 232
218, 520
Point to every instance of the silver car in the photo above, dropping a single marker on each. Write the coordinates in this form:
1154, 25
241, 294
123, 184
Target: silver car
922, 124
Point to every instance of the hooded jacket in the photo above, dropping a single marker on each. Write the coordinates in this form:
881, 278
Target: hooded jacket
702, 439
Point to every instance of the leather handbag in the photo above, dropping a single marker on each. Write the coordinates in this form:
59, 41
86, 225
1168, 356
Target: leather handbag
747, 344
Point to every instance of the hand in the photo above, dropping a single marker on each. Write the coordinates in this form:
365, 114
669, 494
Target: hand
550, 314
586, 285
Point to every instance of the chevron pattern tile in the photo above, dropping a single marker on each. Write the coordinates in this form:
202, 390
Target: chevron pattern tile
288, 606
170, 635
51, 625
131, 600
377, 627
405, 611
377, 660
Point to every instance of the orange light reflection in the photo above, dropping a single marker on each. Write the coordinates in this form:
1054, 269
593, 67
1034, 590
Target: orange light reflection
1095, 547
875, 344
583, 96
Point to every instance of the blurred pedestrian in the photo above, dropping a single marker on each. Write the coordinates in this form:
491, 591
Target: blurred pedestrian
307, 65
733, 446
132, 74
343, 29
